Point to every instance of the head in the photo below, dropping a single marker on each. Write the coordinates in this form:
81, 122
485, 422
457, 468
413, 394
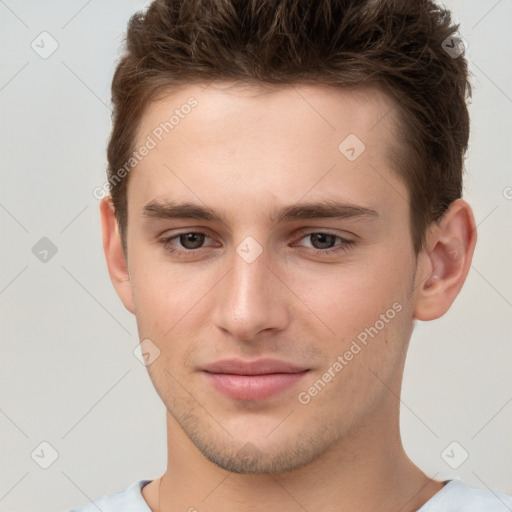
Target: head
286, 181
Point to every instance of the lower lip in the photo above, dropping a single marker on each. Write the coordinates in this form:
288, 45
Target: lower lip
253, 387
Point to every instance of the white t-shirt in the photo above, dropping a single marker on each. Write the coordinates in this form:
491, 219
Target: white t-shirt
455, 496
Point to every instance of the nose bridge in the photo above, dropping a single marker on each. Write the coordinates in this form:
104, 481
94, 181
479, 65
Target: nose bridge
249, 300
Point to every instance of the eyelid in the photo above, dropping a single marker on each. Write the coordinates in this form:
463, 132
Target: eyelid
343, 234
178, 231
303, 233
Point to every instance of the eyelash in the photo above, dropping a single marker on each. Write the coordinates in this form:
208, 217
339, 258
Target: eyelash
345, 244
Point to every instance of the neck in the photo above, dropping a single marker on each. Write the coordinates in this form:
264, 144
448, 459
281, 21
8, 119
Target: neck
365, 472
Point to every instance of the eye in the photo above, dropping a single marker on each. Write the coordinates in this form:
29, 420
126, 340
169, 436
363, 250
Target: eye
186, 242
324, 242
191, 240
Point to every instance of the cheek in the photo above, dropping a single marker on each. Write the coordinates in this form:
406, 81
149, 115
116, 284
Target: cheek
168, 297
337, 301
354, 295
361, 314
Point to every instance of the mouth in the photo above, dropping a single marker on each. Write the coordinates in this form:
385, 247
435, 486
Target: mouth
253, 380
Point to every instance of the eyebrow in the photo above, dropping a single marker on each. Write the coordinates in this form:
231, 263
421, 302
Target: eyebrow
300, 211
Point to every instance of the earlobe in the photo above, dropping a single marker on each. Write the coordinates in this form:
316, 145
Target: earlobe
115, 257
446, 262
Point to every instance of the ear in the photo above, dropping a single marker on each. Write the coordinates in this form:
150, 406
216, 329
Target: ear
445, 262
116, 260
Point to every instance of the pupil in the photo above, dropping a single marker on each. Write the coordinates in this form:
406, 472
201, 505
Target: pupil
325, 240
192, 240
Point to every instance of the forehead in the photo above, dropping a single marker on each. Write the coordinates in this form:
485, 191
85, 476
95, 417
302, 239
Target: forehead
228, 138
367, 109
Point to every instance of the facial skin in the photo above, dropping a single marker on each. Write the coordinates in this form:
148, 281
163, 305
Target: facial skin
245, 153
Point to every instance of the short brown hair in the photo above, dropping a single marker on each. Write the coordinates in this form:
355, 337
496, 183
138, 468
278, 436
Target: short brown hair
394, 44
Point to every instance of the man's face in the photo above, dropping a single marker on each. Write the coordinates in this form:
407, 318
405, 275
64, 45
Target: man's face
327, 294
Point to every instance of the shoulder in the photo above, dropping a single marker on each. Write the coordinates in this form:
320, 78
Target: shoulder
456, 496
130, 499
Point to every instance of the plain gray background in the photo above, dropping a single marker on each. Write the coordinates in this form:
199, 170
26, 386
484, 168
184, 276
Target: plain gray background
68, 373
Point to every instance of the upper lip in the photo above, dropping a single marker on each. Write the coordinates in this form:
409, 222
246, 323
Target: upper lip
256, 367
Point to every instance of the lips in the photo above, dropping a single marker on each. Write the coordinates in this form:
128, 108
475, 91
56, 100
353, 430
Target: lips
253, 380
258, 367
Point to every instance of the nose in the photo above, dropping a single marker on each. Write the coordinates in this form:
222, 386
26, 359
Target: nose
251, 299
